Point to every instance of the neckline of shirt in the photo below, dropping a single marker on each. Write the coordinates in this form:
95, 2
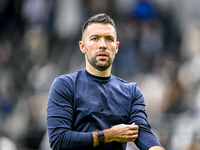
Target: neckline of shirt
97, 78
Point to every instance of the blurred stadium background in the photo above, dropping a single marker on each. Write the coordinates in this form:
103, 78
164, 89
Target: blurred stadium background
159, 50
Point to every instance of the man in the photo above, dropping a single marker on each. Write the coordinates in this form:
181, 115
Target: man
92, 109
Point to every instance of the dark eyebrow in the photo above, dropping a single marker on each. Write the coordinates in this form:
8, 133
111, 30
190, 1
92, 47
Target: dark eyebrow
94, 35
97, 35
108, 36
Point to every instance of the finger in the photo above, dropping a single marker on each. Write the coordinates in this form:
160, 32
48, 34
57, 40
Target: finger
132, 138
136, 127
133, 132
133, 124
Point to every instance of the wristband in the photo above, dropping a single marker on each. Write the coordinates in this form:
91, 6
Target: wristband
101, 137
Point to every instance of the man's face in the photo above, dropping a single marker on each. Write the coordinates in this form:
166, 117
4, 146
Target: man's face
99, 43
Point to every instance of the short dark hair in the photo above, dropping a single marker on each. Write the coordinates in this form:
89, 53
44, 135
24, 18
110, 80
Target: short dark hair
99, 18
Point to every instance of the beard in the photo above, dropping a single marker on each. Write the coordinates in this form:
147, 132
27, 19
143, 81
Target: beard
100, 65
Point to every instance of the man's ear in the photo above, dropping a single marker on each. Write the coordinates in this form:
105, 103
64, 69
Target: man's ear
82, 46
117, 45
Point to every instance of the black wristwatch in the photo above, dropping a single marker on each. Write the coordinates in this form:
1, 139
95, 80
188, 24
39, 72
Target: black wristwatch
101, 137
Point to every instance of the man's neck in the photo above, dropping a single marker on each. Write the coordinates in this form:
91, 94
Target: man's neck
96, 72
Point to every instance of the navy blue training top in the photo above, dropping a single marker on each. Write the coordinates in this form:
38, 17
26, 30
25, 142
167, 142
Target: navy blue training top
80, 103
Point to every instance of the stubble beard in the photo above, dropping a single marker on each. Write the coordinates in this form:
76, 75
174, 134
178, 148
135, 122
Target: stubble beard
101, 66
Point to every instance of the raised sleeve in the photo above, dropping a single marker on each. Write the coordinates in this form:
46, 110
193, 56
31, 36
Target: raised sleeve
146, 138
60, 118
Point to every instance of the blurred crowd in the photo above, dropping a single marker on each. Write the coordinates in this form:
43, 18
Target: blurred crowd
159, 50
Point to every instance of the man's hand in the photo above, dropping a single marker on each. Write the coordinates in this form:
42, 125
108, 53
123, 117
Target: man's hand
118, 133
121, 133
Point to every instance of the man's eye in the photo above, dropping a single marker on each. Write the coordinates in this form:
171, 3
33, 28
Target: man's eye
110, 39
94, 39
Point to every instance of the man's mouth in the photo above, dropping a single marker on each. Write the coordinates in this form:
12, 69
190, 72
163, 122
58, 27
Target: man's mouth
102, 55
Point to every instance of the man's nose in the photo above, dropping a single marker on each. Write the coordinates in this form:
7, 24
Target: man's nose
102, 44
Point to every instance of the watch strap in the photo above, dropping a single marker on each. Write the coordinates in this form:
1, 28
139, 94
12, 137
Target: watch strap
101, 137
